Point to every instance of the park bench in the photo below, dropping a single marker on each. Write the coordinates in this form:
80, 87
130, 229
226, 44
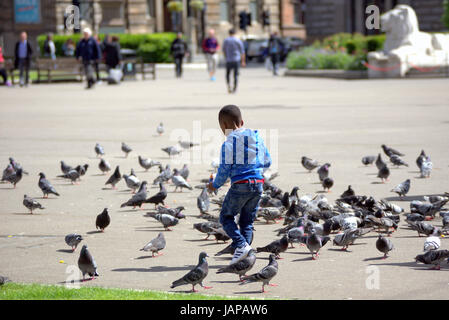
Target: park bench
65, 68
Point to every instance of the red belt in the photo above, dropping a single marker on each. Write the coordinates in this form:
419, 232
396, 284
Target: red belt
248, 181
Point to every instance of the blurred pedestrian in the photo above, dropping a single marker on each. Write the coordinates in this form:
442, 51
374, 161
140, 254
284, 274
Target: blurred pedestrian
23, 53
88, 51
179, 50
112, 54
3, 72
99, 58
68, 48
49, 47
234, 52
210, 47
275, 49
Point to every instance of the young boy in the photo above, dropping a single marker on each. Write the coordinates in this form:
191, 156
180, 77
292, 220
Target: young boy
243, 158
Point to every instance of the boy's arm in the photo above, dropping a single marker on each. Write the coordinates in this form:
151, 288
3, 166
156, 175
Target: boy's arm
266, 163
224, 170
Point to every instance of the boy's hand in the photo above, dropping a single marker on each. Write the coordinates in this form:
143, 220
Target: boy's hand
210, 187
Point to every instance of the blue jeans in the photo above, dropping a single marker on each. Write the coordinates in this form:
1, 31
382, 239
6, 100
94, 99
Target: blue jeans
244, 199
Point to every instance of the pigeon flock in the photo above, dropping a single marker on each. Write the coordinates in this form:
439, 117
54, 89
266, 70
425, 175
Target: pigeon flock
308, 220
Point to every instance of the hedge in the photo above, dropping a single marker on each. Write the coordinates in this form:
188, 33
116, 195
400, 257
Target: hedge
154, 47
353, 43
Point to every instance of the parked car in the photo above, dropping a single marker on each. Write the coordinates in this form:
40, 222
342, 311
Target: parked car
256, 48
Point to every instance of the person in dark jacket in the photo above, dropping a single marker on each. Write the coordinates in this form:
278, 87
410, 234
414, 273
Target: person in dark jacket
23, 53
178, 50
112, 54
275, 48
89, 52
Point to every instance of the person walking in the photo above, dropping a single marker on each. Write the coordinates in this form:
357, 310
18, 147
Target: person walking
179, 50
68, 48
3, 72
49, 47
234, 53
210, 47
23, 53
275, 48
100, 57
112, 56
88, 51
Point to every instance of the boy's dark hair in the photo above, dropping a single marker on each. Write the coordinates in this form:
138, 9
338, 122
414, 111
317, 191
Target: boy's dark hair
232, 31
230, 113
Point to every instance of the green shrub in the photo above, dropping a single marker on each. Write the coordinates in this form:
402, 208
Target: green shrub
356, 43
350, 47
445, 17
297, 61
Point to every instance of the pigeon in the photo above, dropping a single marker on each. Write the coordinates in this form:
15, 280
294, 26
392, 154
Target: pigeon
187, 144
126, 149
103, 220
16, 165
73, 240
155, 245
414, 217
160, 128
82, 169
348, 193
203, 201
422, 156
434, 257
184, 172
219, 234
346, 238
196, 275
383, 174
147, 163
15, 177
397, 161
384, 245
115, 178
46, 186
172, 150
99, 150
368, 160
87, 264
9, 170
166, 220
424, 228
323, 171
428, 210
296, 235
315, 242
175, 212
4, 280
73, 175
104, 166
138, 199
207, 227
269, 175
390, 151
158, 197
179, 181
164, 176
309, 164
402, 189
270, 214
432, 243
379, 162
426, 168
228, 250
435, 199
275, 247
65, 168
265, 275
31, 204
132, 182
327, 183
241, 267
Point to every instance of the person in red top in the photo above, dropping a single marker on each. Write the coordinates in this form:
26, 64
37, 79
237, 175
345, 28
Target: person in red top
3, 70
210, 47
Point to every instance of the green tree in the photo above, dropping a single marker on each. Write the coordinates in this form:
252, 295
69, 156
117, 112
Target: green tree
445, 17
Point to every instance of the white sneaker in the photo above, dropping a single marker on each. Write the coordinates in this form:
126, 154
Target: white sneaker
240, 253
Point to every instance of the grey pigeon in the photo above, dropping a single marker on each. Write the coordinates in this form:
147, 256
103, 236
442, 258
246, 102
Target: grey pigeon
132, 182
323, 171
114, 178
87, 264
241, 267
65, 168
383, 174
384, 245
172, 150
166, 220
73, 240
196, 275
314, 243
15, 177
31, 204
203, 201
82, 169
184, 172
147, 163
265, 275
179, 181
16, 165
187, 144
327, 184
426, 209
432, 243
175, 212
348, 193
99, 150
164, 176
397, 161
379, 162
403, 188
126, 149
368, 160
390, 151
424, 228
160, 128
346, 238
103, 220
275, 247
434, 257
9, 170
104, 166
73, 175
155, 245
219, 234
422, 156
270, 214
138, 199
296, 235
158, 197
46, 186
426, 167
206, 227
309, 164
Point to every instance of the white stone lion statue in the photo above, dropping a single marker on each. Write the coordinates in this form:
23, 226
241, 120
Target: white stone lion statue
406, 47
